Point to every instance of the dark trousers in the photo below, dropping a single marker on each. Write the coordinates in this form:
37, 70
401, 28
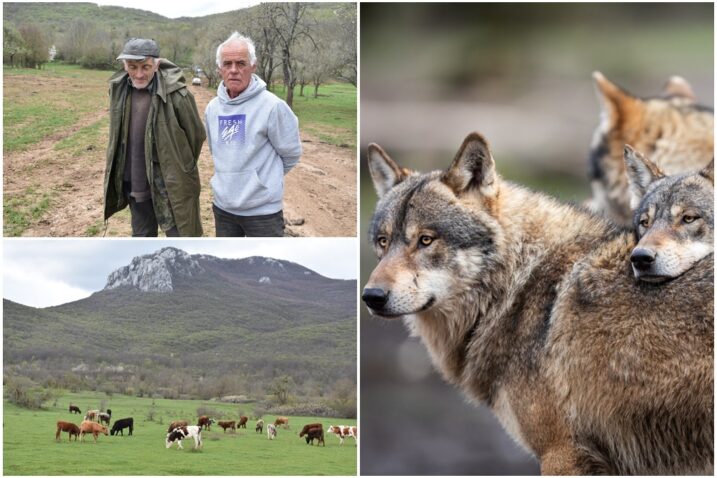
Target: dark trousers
144, 222
231, 225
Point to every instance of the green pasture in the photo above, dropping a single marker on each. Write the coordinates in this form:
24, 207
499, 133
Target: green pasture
47, 103
331, 117
29, 446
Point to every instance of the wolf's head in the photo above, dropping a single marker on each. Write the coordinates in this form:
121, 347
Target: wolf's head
432, 232
672, 128
673, 219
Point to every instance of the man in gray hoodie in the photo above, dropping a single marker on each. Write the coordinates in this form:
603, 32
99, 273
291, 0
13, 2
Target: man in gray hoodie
254, 141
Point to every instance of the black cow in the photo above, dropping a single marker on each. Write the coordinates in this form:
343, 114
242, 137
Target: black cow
121, 424
315, 433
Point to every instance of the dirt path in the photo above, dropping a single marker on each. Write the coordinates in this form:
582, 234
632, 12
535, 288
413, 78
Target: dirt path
320, 193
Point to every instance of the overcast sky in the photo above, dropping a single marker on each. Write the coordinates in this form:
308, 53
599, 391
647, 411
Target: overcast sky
46, 272
195, 8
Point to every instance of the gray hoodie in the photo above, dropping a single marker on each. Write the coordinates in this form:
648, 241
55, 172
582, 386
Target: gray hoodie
254, 141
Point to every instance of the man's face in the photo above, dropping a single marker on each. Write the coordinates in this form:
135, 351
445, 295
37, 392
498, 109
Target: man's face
141, 71
236, 68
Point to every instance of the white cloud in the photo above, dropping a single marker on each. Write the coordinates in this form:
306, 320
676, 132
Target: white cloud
183, 9
29, 288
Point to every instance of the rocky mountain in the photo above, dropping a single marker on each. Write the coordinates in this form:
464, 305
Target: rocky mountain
206, 315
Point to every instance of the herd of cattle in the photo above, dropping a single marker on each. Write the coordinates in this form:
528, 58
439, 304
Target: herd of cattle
180, 429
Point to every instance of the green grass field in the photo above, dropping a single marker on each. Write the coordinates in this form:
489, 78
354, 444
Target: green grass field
331, 116
29, 446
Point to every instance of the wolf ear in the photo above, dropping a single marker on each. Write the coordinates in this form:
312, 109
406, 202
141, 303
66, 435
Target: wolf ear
641, 172
473, 166
384, 170
678, 86
709, 171
616, 103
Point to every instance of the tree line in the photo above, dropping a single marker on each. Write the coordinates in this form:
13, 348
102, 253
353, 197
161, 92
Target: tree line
299, 44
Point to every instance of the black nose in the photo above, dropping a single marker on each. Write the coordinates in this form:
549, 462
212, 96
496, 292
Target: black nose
642, 259
375, 298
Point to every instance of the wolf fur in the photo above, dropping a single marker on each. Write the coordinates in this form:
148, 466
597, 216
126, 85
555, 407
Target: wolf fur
531, 306
673, 129
674, 218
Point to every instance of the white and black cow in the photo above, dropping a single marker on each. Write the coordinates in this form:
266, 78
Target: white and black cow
180, 433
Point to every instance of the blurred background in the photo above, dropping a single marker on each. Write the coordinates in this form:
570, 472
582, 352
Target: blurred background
521, 75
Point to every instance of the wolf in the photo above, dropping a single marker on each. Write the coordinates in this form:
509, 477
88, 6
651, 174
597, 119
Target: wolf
673, 129
673, 219
531, 307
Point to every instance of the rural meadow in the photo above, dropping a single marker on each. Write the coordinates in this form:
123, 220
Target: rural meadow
252, 348
58, 58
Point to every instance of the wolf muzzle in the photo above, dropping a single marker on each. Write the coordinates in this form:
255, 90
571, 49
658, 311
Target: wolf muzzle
375, 299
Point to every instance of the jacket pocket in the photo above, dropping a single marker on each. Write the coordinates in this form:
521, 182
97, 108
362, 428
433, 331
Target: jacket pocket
183, 152
242, 190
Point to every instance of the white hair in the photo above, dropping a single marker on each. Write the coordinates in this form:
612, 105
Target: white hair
237, 37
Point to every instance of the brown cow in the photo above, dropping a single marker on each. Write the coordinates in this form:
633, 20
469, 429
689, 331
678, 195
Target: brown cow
283, 421
305, 430
88, 426
315, 433
177, 423
260, 426
68, 427
92, 415
225, 425
242, 422
206, 422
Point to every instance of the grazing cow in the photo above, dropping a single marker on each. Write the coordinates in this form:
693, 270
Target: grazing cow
260, 426
92, 415
121, 424
75, 409
176, 424
305, 430
88, 426
68, 427
242, 422
105, 417
315, 433
225, 425
283, 421
343, 431
271, 431
180, 433
206, 422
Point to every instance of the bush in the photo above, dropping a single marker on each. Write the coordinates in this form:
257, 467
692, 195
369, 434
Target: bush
20, 391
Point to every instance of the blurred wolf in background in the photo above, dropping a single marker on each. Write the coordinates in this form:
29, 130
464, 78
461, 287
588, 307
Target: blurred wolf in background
674, 130
531, 307
673, 220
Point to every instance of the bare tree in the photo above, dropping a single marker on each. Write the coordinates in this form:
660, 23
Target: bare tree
289, 22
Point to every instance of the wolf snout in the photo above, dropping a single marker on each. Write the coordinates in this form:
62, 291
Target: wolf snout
642, 258
375, 298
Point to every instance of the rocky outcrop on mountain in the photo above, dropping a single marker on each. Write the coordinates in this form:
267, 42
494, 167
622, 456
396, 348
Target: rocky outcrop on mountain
155, 272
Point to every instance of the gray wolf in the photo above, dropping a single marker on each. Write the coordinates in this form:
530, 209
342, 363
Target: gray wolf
673, 220
673, 129
531, 307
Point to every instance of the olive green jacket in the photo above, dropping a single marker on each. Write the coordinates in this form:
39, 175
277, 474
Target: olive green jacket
172, 143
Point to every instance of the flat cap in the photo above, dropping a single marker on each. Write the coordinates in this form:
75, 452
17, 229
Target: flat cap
139, 49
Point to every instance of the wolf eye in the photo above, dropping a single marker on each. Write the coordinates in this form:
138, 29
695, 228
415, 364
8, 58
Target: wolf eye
687, 218
425, 240
644, 222
382, 241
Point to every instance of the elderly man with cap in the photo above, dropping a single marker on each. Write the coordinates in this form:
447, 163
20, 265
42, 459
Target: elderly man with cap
155, 138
